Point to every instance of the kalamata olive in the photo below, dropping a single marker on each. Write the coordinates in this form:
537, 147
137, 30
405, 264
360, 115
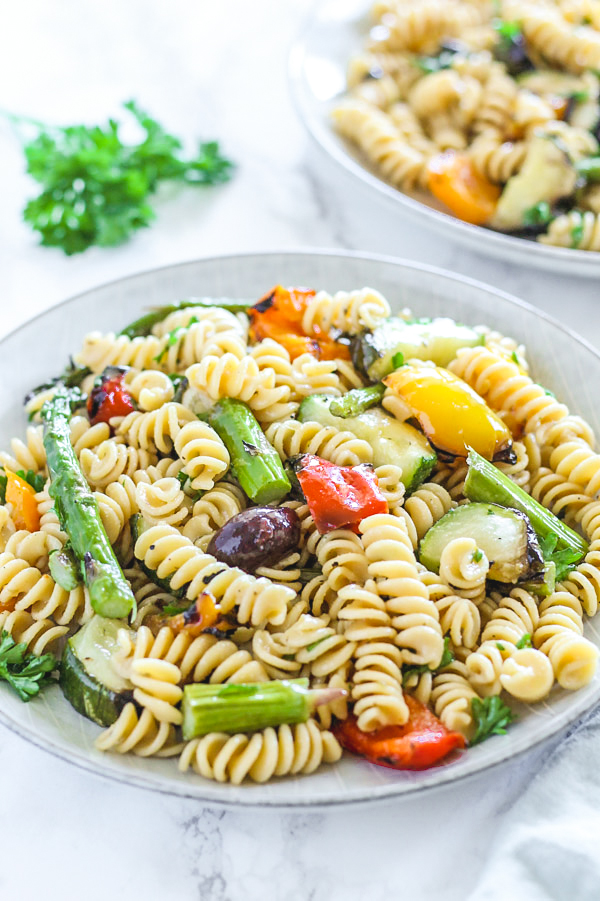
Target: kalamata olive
260, 536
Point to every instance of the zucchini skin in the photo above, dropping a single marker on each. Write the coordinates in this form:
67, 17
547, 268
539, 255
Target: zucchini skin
86, 694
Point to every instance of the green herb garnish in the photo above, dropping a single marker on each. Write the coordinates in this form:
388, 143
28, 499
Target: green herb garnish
524, 642
25, 672
398, 360
564, 560
491, 716
95, 188
477, 555
37, 482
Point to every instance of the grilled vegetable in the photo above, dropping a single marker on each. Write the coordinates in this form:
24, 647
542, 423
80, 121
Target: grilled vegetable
88, 681
486, 483
357, 401
143, 326
392, 441
64, 569
546, 175
450, 412
21, 496
338, 496
454, 180
423, 742
260, 536
505, 537
379, 352
110, 397
279, 315
249, 708
110, 593
255, 463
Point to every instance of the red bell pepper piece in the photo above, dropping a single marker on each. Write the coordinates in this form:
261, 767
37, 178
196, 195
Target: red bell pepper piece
339, 496
278, 315
421, 743
109, 398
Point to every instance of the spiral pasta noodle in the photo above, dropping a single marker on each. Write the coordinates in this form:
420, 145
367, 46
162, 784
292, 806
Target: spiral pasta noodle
464, 567
501, 661
393, 568
559, 636
343, 448
262, 755
377, 673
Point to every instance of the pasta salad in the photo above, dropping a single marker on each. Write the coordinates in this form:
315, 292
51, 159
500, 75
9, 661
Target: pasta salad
251, 535
490, 109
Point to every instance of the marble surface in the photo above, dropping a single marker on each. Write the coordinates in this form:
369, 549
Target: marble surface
208, 69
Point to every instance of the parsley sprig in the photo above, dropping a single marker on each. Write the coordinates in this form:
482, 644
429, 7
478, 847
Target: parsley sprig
25, 672
564, 560
95, 188
491, 716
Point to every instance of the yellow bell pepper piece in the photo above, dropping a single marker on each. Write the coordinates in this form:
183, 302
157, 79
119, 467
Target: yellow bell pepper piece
452, 415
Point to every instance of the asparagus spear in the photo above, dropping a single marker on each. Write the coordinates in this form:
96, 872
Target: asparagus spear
255, 463
141, 327
488, 484
110, 593
248, 708
357, 401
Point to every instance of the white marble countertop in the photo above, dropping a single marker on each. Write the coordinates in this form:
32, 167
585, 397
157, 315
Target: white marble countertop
218, 70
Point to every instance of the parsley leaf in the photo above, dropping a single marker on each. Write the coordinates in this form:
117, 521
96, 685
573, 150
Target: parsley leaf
515, 358
491, 716
3, 483
565, 560
398, 360
37, 482
95, 188
524, 642
477, 555
25, 672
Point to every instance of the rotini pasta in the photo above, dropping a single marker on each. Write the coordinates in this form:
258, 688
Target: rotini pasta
443, 96
316, 586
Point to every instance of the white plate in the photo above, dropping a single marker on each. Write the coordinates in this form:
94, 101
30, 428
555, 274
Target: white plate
335, 31
39, 349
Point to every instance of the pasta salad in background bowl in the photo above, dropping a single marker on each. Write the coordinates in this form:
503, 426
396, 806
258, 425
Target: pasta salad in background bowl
297, 545
480, 118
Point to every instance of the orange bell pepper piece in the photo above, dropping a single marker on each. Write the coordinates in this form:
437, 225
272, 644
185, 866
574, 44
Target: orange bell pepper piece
453, 179
278, 315
21, 496
421, 743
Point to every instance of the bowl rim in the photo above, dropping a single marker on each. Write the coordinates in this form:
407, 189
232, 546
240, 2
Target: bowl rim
497, 243
367, 795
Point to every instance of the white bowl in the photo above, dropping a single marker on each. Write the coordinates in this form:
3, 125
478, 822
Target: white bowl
39, 349
335, 30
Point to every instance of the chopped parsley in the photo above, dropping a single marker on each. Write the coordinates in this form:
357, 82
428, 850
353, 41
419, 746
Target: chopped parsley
492, 717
